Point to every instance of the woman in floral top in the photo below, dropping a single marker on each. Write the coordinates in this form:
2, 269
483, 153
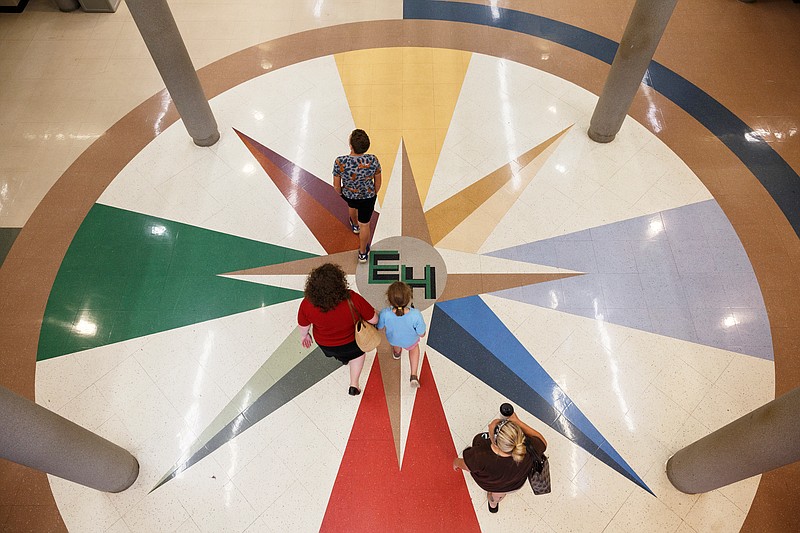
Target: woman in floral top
357, 178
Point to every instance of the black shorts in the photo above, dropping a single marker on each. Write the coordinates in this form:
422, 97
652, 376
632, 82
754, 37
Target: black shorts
365, 207
344, 353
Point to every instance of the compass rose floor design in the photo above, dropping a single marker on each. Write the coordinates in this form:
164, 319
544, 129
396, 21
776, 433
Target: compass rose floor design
599, 288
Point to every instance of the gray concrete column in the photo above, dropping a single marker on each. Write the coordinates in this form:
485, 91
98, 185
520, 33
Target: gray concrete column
762, 440
67, 5
644, 30
163, 40
36, 437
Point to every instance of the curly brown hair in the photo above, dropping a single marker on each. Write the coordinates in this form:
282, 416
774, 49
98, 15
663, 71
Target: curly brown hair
326, 286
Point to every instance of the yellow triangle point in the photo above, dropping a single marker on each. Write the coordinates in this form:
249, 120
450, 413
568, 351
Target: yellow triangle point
408, 93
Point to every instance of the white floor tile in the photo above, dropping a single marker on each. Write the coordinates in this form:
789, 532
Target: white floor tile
714, 512
644, 512
575, 512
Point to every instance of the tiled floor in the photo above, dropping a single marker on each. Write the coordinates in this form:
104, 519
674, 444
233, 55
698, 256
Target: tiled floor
628, 298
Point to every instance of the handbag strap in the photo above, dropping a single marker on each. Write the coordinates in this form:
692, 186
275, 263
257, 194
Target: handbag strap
538, 460
353, 311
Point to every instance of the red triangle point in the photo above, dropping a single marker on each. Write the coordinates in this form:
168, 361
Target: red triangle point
372, 493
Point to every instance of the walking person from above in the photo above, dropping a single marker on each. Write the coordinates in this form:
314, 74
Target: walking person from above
326, 309
404, 325
357, 179
499, 460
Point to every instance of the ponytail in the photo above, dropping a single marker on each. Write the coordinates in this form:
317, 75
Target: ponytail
399, 296
519, 451
511, 439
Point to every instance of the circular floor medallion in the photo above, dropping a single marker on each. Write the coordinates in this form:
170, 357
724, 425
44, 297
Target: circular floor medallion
402, 259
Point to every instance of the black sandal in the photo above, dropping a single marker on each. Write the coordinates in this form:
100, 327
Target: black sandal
353, 391
493, 509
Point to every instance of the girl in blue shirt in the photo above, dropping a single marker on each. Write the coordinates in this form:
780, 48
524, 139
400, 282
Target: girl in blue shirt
404, 325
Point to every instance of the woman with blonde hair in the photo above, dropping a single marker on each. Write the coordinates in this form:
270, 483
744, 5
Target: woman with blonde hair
498, 460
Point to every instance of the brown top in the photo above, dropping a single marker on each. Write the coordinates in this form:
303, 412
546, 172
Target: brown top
494, 473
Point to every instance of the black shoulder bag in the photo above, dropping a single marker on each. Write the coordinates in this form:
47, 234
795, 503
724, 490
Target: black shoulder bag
539, 476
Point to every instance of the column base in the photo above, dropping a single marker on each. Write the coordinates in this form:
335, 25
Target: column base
131, 480
675, 483
208, 141
600, 138
67, 6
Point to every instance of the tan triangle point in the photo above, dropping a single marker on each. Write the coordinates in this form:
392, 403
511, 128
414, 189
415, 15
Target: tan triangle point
465, 220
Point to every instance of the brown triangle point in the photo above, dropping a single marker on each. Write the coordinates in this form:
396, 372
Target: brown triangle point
463, 285
347, 260
414, 223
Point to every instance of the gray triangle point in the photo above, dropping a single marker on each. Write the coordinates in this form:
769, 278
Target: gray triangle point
290, 370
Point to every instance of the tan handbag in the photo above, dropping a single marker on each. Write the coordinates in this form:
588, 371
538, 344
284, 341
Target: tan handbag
367, 336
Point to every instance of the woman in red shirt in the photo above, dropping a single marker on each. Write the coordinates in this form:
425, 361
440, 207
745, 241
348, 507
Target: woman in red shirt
326, 308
